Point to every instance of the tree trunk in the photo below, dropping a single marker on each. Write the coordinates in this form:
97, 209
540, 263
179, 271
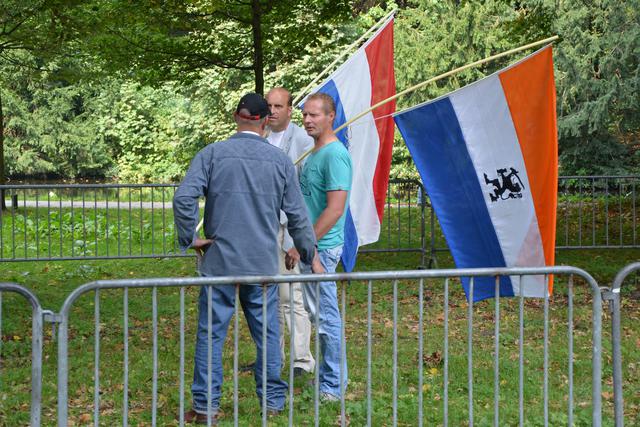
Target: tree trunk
256, 26
3, 180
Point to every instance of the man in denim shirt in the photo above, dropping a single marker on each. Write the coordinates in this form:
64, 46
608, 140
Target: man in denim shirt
246, 182
326, 181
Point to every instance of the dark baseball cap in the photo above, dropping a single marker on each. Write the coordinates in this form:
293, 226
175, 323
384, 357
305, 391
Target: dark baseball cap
255, 104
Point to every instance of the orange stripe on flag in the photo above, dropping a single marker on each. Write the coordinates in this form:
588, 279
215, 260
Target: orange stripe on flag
529, 88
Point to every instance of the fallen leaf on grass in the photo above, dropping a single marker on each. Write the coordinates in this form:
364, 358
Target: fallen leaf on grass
433, 359
347, 420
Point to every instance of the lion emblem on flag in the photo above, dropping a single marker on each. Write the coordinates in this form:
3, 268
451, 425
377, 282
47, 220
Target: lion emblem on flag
506, 186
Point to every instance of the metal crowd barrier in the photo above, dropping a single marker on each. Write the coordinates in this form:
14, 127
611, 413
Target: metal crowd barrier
106, 221
597, 212
109, 221
593, 212
613, 296
403, 226
36, 346
87, 221
409, 283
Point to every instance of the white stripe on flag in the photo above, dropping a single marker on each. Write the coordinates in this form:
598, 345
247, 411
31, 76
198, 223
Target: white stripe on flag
487, 127
364, 144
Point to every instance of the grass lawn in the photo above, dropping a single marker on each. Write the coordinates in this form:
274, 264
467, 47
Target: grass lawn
53, 281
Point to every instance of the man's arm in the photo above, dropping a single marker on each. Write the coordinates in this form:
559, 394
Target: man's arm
336, 201
185, 204
299, 225
337, 175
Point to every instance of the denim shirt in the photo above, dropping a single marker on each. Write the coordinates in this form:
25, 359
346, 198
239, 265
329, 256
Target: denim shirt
246, 182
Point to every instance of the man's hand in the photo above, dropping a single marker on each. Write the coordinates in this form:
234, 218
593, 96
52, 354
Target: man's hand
291, 258
316, 265
199, 245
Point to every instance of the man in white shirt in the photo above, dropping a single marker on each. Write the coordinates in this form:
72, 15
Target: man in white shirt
294, 141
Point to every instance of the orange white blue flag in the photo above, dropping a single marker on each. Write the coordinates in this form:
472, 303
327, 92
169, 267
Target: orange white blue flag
488, 157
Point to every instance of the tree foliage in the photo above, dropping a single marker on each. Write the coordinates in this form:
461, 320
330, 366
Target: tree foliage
435, 37
598, 82
148, 132
596, 68
50, 128
31, 29
131, 90
176, 39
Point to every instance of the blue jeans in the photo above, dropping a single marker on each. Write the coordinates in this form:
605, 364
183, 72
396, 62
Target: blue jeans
329, 323
222, 309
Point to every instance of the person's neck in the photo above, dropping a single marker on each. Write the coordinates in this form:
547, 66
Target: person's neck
280, 129
324, 139
255, 129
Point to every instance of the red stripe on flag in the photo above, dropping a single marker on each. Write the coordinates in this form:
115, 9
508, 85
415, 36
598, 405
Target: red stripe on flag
383, 85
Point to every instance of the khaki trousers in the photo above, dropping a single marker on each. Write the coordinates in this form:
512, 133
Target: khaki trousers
302, 357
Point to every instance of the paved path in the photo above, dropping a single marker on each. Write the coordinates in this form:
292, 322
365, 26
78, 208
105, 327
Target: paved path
90, 204
124, 205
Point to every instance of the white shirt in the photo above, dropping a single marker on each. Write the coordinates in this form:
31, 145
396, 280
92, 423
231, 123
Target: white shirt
275, 138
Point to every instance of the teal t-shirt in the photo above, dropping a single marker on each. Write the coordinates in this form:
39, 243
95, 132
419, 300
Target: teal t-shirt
328, 169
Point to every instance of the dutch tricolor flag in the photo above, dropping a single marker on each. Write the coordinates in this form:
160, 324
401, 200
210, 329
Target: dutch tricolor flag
488, 157
365, 79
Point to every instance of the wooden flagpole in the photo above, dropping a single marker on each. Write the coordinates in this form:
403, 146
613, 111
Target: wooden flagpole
342, 55
435, 79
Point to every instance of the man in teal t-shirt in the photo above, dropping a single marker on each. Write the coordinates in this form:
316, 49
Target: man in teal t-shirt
326, 181
327, 169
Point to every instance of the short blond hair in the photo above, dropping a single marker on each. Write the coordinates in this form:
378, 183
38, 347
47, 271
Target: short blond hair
328, 104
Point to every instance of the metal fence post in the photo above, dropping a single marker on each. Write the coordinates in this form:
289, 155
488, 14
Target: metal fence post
596, 379
613, 296
36, 348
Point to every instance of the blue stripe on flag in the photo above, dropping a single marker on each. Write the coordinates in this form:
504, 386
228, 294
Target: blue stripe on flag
330, 89
434, 138
350, 249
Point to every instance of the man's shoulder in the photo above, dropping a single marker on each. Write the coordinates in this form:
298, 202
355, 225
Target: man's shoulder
295, 128
336, 155
207, 150
299, 135
243, 142
337, 149
242, 136
269, 152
